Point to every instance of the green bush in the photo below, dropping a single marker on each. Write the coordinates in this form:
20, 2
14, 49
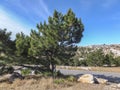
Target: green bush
59, 81
117, 61
47, 73
25, 71
109, 59
95, 58
82, 63
70, 78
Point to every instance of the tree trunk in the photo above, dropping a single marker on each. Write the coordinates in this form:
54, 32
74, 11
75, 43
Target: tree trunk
53, 70
52, 65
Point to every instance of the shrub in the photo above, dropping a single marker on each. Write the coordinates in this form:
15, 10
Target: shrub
82, 63
117, 61
25, 71
59, 81
109, 59
47, 73
95, 58
70, 78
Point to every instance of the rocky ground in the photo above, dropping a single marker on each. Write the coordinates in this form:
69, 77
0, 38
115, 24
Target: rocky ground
47, 84
85, 80
110, 76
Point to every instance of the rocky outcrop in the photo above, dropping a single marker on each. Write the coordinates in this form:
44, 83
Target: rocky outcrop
86, 78
89, 78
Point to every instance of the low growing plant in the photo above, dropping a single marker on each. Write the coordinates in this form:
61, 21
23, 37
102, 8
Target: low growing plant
59, 81
25, 72
70, 78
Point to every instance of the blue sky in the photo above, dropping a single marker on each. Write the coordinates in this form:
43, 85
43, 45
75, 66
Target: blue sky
101, 18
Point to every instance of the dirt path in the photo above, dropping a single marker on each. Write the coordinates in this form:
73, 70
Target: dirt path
110, 76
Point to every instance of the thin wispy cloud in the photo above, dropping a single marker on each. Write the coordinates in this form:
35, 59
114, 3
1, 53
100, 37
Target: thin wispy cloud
33, 10
37, 8
98, 16
11, 25
44, 6
14, 13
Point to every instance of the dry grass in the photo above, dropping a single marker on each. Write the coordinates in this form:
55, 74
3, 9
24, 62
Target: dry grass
48, 84
37, 83
81, 86
28, 84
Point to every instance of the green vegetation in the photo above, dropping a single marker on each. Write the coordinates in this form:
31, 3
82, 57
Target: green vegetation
71, 78
7, 47
25, 72
59, 81
95, 58
53, 43
117, 61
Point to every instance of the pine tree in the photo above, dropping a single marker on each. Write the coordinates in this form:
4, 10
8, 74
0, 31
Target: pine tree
56, 40
22, 44
6, 44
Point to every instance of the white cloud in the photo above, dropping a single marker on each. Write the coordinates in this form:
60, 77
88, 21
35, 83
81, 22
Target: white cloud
30, 10
44, 6
39, 9
8, 22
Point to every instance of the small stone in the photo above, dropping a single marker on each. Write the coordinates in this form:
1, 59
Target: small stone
101, 80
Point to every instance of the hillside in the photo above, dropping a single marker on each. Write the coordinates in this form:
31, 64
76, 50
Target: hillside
84, 50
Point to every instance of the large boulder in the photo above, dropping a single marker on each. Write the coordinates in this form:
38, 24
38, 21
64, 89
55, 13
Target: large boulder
86, 78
